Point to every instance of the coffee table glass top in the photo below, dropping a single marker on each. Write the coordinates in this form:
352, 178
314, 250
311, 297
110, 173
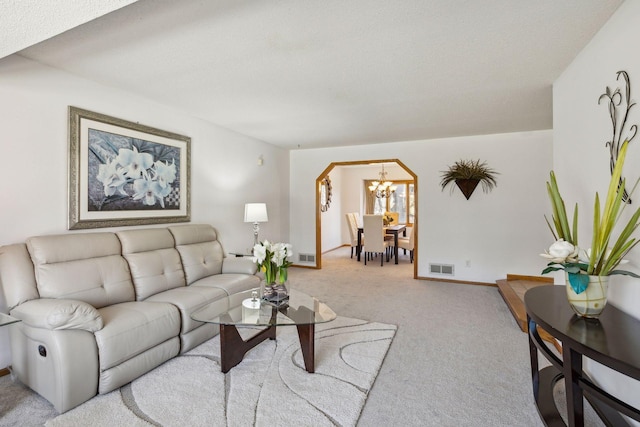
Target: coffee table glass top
303, 309
5, 319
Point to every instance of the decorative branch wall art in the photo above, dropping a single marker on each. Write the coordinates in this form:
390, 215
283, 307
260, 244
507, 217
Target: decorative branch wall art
620, 105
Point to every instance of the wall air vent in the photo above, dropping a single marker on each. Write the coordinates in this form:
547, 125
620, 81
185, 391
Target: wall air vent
446, 269
306, 257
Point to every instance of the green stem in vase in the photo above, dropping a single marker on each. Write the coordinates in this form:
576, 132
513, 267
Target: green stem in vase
270, 272
283, 273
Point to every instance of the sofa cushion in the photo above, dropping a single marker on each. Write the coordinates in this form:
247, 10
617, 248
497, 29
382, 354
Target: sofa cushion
189, 299
131, 369
153, 260
54, 249
17, 278
145, 240
230, 283
59, 314
193, 233
86, 267
239, 265
131, 328
199, 249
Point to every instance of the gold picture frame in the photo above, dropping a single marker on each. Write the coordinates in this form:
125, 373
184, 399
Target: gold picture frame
123, 173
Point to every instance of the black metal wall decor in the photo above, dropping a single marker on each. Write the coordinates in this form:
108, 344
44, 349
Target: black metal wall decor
620, 104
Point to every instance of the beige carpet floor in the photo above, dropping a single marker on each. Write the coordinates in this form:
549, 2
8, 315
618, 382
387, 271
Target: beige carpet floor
458, 357
269, 387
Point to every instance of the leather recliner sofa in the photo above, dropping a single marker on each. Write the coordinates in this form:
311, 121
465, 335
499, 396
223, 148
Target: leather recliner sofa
101, 309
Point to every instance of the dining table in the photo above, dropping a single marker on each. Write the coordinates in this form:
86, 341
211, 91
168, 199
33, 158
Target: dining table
395, 230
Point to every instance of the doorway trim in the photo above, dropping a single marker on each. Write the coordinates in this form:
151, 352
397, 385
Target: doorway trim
328, 169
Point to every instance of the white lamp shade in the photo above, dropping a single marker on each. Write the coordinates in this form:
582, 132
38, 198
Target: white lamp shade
255, 212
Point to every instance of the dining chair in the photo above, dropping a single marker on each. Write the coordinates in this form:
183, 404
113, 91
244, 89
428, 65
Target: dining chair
356, 219
407, 243
376, 242
352, 223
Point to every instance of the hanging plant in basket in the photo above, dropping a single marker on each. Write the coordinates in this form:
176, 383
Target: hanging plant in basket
467, 174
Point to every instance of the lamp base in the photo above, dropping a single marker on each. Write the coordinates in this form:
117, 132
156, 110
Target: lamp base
256, 228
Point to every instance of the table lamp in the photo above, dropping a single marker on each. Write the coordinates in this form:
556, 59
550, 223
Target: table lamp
255, 213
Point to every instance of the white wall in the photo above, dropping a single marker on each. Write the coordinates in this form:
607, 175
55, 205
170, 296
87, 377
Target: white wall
348, 184
33, 176
581, 128
500, 232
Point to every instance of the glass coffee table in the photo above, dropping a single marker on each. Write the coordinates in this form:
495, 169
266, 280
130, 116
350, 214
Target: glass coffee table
6, 320
244, 309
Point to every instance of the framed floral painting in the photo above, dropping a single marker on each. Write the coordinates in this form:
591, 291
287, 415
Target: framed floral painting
123, 173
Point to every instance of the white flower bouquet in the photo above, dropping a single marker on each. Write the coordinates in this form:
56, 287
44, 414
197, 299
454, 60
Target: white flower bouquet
273, 260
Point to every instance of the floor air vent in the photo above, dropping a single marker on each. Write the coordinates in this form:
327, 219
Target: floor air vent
441, 269
307, 257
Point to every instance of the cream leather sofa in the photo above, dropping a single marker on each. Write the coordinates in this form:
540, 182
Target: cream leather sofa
100, 309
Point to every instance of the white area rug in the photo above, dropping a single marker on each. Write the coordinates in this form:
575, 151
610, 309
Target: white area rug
269, 387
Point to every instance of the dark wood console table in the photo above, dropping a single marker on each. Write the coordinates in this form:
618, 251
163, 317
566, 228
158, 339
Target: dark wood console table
613, 341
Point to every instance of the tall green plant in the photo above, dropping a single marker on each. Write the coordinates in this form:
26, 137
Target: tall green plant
559, 216
607, 251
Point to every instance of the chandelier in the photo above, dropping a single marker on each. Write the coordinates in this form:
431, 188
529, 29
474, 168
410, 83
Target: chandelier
382, 187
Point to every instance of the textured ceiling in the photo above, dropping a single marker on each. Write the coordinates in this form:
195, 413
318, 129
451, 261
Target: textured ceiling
326, 73
27, 22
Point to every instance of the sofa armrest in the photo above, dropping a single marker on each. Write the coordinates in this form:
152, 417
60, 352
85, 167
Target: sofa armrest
239, 265
58, 314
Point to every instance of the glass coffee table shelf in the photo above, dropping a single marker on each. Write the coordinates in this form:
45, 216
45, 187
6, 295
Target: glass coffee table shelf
6, 320
303, 311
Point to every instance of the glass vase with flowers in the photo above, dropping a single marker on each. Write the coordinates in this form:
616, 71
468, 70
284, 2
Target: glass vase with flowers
273, 261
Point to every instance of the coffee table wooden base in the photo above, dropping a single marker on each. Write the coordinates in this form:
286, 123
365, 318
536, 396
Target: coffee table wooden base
233, 347
306, 334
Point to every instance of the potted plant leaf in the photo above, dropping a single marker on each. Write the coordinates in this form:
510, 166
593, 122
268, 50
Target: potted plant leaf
467, 174
588, 271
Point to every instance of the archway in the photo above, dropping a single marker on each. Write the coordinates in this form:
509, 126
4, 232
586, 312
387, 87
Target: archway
328, 169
